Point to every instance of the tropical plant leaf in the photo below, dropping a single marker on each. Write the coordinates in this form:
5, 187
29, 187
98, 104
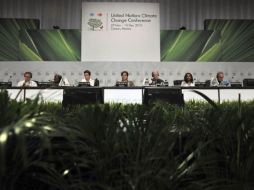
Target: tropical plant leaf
126, 146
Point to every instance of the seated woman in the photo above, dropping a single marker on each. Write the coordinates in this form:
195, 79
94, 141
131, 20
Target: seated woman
125, 75
188, 80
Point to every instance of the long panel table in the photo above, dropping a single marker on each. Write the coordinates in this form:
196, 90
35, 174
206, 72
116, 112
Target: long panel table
133, 94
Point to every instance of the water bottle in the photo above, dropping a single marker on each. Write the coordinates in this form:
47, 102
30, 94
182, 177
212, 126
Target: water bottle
146, 82
165, 83
10, 80
76, 82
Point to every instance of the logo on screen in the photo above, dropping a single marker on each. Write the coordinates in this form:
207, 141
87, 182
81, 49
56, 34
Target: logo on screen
95, 22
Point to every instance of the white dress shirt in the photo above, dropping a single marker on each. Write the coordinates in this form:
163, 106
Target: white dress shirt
27, 84
64, 82
185, 84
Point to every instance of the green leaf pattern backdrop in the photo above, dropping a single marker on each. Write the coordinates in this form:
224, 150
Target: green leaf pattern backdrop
50, 45
236, 42
9, 36
184, 45
221, 41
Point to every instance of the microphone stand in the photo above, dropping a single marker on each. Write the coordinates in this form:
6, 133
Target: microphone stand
22, 87
24, 94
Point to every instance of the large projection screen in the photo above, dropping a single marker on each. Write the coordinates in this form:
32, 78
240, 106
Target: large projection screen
120, 31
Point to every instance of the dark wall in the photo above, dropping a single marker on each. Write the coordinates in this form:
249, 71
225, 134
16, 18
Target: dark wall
174, 13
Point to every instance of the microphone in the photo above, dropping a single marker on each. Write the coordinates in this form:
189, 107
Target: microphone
10, 78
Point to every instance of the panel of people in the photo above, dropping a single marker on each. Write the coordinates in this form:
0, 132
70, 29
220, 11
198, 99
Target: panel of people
155, 80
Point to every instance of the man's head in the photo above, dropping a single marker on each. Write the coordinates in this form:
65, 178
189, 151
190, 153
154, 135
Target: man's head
87, 75
27, 76
155, 74
57, 78
124, 75
220, 76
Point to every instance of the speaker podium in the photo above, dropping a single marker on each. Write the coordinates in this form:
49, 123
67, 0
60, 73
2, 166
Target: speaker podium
167, 94
82, 96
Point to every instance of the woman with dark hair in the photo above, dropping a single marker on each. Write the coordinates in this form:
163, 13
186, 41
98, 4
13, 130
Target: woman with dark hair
188, 80
125, 75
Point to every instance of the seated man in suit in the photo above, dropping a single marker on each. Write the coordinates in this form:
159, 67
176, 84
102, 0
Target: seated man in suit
219, 80
27, 82
155, 78
125, 75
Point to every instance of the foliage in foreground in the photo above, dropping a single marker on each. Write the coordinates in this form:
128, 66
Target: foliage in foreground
126, 147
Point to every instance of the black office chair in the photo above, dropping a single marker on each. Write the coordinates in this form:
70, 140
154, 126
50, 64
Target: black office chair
37, 82
96, 82
248, 82
177, 82
207, 83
